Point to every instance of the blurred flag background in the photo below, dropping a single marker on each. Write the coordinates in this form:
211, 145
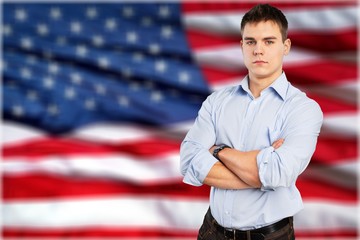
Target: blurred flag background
97, 98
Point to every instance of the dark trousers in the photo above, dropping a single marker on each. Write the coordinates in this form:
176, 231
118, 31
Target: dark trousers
211, 230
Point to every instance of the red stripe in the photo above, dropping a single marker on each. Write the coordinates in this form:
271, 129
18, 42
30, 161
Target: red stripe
48, 186
45, 186
324, 41
332, 150
322, 72
141, 233
313, 189
331, 105
224, 6
100, 232
56, 146
218, 76
329, 149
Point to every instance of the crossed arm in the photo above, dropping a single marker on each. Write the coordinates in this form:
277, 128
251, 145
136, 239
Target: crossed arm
237, 170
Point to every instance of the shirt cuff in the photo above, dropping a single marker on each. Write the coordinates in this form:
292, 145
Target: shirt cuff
262, 161
198, 170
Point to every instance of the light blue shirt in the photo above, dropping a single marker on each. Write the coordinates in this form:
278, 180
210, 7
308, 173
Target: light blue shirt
232, 116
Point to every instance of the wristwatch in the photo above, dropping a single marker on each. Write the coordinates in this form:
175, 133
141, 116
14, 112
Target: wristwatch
218, 149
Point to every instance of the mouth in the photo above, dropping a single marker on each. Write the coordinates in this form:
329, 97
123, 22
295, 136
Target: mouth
259, 62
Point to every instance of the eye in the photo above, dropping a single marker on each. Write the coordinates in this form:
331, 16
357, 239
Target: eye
250, 42
269, 42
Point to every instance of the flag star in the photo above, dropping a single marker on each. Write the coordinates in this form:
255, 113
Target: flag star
61, 40
75, 27
7, 30
81, 50
128, 12
138, 57
110, 24
26, 43
31, 59
100, 89
42, 29
53, 109
32, 95
103, 62
90, 104
156, 96
91, 12
98, 40
123, 101
160, 66
154, 48
25, 73
3, 65
76, 78
184, 77
48, 82
70, 93
17, 111
53, 68
134, 86
20, 15
166, 31
55, 13
127, 73
164, 11
146, 21
131, 37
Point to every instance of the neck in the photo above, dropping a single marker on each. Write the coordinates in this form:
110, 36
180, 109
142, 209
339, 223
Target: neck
257, 85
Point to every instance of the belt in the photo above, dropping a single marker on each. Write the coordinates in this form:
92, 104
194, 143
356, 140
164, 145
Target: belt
258, 233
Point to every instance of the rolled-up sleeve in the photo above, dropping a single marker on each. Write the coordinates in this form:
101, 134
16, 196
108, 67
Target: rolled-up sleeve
281, 167
195, 158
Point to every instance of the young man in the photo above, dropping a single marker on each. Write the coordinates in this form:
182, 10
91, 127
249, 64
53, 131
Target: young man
251, 142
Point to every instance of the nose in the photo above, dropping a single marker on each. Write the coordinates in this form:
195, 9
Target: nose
258, 49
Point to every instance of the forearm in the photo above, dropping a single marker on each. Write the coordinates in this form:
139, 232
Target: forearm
221, 177
243, 165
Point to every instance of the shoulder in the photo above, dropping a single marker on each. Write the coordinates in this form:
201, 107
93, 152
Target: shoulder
223, 93
299, 103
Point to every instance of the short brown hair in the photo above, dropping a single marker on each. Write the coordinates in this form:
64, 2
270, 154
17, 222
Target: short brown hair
266, 12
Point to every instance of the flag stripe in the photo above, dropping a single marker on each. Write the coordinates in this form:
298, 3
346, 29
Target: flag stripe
48, 185
128, 212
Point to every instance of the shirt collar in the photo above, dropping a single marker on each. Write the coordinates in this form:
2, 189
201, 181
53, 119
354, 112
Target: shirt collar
280, 85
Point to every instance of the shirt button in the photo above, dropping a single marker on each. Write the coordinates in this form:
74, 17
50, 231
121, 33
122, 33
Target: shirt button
227, 213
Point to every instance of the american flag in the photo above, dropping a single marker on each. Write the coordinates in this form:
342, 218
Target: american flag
97, 97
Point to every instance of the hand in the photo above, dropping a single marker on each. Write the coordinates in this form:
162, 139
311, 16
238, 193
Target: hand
278, 143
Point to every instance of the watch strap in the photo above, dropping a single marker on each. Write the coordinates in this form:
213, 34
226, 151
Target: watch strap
218, 149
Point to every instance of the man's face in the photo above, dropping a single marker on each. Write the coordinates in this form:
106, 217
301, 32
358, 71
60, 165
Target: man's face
263, 50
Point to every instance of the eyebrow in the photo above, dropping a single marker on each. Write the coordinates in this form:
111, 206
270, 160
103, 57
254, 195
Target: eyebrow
266, 38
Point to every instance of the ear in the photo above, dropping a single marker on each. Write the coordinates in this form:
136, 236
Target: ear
287, 44
241, 43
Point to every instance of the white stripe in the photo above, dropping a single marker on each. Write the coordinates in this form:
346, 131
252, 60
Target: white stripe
158, 169
101, 132
344, 124
319, 20
343, 174
340, 123
15, 133
130, 211
346, 91
321, 215
230, 57
154, 212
